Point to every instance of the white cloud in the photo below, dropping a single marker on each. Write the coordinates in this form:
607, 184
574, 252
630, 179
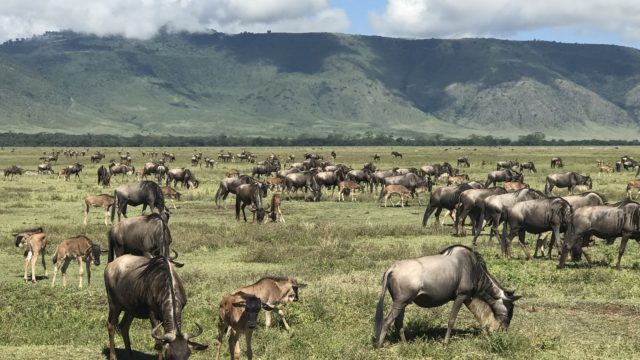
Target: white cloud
143, 18
504, 18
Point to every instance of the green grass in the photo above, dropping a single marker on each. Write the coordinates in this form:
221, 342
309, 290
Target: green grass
340, 249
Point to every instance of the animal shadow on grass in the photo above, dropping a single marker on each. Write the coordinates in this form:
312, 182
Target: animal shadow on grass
38, 277
585, 265
135, 355
424, 332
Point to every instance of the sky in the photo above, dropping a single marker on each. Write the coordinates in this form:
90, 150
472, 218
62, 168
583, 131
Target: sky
574, 21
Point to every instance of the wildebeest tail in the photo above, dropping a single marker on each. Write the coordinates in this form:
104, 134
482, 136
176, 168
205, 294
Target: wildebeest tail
217, 196
54, 259
115, 204
380, 307
111, 240
547, 186
381, 194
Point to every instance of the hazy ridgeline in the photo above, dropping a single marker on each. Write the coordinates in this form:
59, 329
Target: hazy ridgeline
340, 249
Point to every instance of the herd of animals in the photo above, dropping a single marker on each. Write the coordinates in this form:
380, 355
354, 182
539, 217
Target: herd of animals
141, 278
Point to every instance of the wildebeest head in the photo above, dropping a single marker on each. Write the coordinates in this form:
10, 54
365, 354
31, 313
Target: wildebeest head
22, 236
252, 306
93, 253
588, 182
176, 346
294, 287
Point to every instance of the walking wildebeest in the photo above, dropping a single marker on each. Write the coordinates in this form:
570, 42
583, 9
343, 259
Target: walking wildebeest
154, 168
267, 169
399, 190
237, 315
303, 180
471, 203
503, 176
230, 185
12, 170
330, 179
535, 216
146, 235
125, 170
556, 162
463, 161
436, 170
104, 177
148, 289
528, 166
74, 169
144, 192
444, 197
376, 157
396, 154
567, 180
103, 200
251, 194
456, 274
45, 169
78, 248
606, 222
182, 175
35, 243
274, 290
507, 165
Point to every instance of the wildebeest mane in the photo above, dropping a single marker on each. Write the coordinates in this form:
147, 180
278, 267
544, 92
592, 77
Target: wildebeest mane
154, 281
623, 202
274, 278
604, 199
159, 197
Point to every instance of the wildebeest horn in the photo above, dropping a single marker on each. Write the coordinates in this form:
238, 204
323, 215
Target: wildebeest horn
198, 332
175, 255
172, 259
165, 338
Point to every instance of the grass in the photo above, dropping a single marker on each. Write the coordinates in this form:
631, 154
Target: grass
340, 249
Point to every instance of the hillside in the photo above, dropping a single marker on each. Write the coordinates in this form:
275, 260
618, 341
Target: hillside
289, 84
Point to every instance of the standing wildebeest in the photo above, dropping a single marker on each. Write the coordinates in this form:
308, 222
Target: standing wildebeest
103, 200
556, 162
274, 290
230, 185
171, 194
436, 170
104, 176
471, 204
528, 166
536, 217
251, 194
512, 186
74, 169
35, 243
607, 222
330, 179
182, 175
399, 190
411, 181
305, 180
146, 235
267, 168
507, 165
444, 197
456, 274
568, 180
276, 210
125, 170
78, 248
45, 169
148, 289
97, 157
378, 176
463, 161
396, 154
632, 184
144, 192
376, 157
503, 176
154, 168
12, 170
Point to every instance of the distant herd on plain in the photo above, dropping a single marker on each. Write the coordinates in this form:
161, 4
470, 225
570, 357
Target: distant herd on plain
142, 282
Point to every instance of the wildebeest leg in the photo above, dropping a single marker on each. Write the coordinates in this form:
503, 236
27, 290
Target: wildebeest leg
81, 271
396, 308
427, 213
124, 326
521, 237
27, 259
86, 215
399, 324
112, 322
284, 321
234, 346
65, 265
623, 245
247, 337
174, 204
106, 216
460, 299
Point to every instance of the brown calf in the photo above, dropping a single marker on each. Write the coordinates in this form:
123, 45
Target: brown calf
276, 200
103, 200
35, 243
399, 190
232, 173
75, 248
632, 184
348, 187
275, 183
457, 180
512, 186
171, 194
606, 169
238, 313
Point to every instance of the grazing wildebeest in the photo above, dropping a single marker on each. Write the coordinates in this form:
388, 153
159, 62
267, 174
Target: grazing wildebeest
632, 184
436, 170
274, 290
303, 180
146, 235
148, 289
171, 194
154, 168
12, 170
97, 157
144, 192
456, 274
104, 177
74, 169
444, 197
45, 169
503, 176
348, 187
209, 163
267, 168
556, 162
507, 165
376, 157
250, 194
528, 166
471, 203
276, 210
35, 243
536, 217
512, 186
182, 175
125, 170
399, 190
78, 248
567, 180
230, 185
396, 154
463, 161
607, 222
103, 200
411, 181
238, 315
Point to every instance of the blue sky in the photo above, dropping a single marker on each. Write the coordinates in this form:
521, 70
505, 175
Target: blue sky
582, 21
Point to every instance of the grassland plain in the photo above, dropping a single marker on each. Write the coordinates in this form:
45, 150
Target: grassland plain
340, 249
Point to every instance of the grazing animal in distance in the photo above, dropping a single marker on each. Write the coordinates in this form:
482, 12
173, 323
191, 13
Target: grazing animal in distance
463, 162
103, 200
35, 243
348, 187
276, 210
12, 170
456, 274
251, 194
556, 162
148, 289
376, 157
396, 154
78, 248
528, 166
104, 176
567, 180
632, 184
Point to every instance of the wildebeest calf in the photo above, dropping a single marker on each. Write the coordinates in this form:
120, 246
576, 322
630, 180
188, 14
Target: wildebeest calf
35, 243
78, 248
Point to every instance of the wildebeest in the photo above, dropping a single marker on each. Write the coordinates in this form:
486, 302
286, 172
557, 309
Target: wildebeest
471, 203
398, 190
250, 194
456, 274
144, 192
237, 315
376, 157
12, 170
567, 180
536, 217
303, 180
182, 175
103, 200
74, 169
274, 290
104, 177
125, 170
148, 289
348, 187
78, 248
632, 184
463, 161
457, 180
528, 166
503, 176
35, 243
444, 197
170, 193
512, 186
330, 179
45, 169
411, 181
507, 165
266, 169
436, 170
378, 176
276, 210
396, 154
230, 185
146, 235
154, 168
97, 157
556, 162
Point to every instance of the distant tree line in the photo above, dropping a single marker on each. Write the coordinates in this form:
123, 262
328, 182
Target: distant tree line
11, 139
